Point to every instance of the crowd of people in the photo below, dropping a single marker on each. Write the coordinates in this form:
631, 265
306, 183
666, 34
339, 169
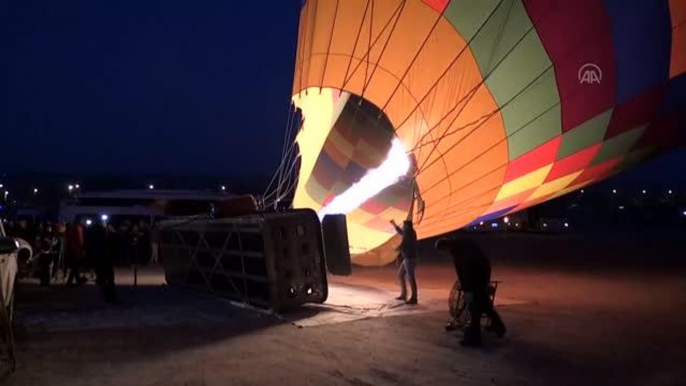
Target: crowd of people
68, 250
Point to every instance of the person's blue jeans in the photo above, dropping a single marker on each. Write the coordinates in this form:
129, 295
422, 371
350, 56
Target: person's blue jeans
407, 267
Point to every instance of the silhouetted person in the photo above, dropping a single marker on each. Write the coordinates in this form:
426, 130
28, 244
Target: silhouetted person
100, 245
154, 244
474, 273
408, 251
121, 243
144, 243
133, 244
48, 256
74, 252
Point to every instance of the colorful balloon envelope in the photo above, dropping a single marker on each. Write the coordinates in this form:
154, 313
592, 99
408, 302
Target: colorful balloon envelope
498, 105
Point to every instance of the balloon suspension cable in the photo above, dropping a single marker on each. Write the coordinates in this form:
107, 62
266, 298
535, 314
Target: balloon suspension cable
286, 149
287, 181
290, 156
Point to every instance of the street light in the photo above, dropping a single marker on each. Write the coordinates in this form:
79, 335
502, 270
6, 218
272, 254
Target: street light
35, 191
645, 191
223, 188
151, 186
70, 187
104, 217
614, 191
506, 220
77, 186
89, 222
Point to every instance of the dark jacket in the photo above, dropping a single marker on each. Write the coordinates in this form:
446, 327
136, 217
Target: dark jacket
408, 245
471, 265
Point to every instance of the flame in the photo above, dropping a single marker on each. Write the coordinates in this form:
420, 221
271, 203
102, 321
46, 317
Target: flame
391, 170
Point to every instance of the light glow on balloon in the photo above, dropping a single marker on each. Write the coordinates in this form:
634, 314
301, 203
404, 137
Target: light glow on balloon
391, 170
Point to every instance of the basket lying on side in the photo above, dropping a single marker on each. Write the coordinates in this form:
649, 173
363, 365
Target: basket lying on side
271, 260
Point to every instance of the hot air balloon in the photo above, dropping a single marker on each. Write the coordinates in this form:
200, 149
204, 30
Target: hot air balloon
456, 112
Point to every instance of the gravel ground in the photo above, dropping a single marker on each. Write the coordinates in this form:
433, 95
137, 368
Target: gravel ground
566, 326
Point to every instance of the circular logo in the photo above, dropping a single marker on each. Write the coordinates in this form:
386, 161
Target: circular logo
590, 73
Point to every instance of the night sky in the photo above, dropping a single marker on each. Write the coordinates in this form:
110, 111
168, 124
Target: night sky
156, 86
145, 86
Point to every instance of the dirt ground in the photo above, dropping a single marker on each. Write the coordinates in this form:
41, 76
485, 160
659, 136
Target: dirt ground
569, 324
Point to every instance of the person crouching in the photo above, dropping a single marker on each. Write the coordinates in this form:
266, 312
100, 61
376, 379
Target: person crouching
474, 273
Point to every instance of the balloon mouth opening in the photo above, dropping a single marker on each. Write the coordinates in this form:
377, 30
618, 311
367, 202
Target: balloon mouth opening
359, 167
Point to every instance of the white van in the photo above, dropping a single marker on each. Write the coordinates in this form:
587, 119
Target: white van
10, 248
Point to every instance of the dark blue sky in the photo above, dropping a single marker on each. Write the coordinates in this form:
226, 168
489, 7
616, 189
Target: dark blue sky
145, 86
156, 86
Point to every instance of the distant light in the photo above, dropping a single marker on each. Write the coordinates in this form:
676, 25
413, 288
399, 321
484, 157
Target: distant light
494, 225
566, 225
506, 220
582, 191
77, 186
614, 191
151, 187
517, 224
2, 186
684, 213
223, 188
621, 207
35, 191
669, 192
545, 225
104, 217
89, 222
70, 187
481, 223
645, 191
